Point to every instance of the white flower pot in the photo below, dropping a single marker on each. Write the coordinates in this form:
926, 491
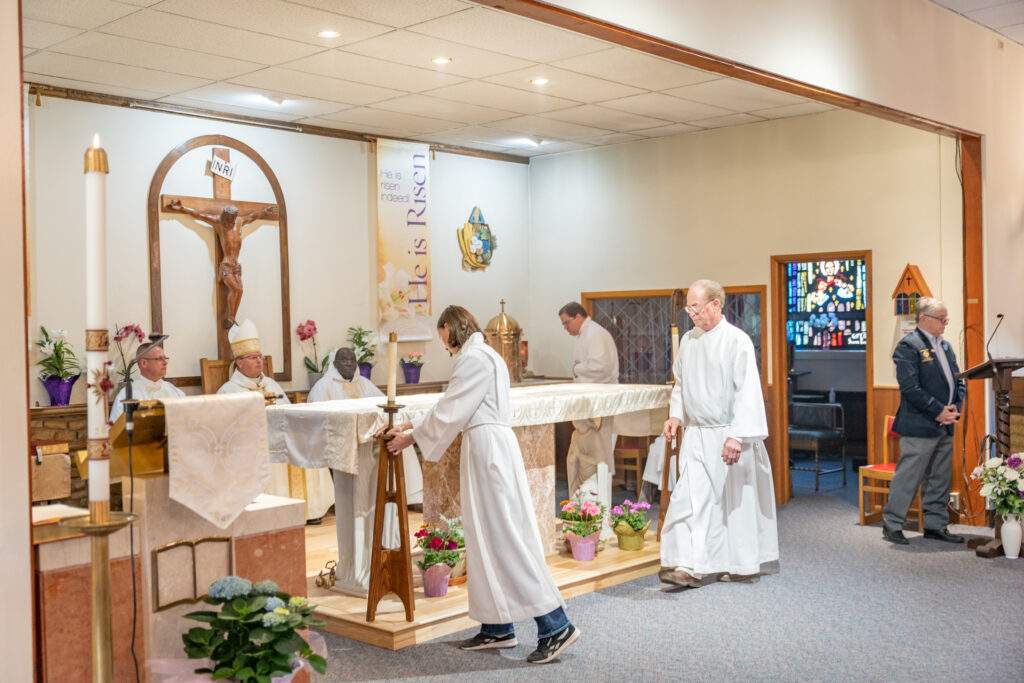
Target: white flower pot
1011, 536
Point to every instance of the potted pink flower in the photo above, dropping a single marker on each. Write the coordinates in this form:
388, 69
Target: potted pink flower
412, 363
630, 524
581, 521
442, 546
315, 366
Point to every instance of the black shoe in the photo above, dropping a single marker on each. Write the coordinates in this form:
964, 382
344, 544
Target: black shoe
896, 537
549, 648
943, 535
482, 641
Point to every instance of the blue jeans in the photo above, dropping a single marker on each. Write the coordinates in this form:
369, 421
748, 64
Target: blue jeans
547, 625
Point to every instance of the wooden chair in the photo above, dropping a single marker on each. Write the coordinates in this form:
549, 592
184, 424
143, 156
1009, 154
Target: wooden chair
813, 425
884, 472
631, 456
215, 372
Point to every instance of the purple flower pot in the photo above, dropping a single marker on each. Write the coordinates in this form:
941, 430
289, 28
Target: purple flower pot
584, 548
435, 580
365, 369
411, 372
59, 389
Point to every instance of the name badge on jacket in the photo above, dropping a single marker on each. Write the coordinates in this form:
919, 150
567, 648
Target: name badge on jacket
927, 356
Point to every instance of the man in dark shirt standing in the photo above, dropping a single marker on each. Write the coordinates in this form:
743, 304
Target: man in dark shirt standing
930, 401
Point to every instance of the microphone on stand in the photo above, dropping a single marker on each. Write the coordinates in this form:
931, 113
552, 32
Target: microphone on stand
128, 403
1000, 317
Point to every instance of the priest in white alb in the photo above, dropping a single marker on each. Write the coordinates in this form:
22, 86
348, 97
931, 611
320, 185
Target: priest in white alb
720, 523
355, 495
312, 485
595, 360
150, 384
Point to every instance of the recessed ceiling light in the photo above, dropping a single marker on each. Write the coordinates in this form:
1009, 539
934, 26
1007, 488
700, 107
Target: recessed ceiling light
539, 81
441, 60
526, 142
328, 33
273, 99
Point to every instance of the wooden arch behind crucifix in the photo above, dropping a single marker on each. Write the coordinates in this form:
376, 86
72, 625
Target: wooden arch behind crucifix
228, 230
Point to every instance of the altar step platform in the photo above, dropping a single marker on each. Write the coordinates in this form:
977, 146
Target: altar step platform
345, 615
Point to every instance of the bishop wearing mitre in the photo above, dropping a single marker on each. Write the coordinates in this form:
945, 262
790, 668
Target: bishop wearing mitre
312, 485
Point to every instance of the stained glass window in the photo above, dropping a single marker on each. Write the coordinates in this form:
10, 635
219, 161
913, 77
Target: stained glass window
826, 304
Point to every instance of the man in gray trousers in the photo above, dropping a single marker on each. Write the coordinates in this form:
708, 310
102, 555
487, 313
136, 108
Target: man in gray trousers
930, 400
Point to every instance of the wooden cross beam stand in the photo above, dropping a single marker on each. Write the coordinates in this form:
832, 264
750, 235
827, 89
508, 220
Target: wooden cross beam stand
227, 217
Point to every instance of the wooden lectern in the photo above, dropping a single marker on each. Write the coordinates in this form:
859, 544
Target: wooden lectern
149, 444
999, 370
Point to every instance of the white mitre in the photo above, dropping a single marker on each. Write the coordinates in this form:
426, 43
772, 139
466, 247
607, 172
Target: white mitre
244, 339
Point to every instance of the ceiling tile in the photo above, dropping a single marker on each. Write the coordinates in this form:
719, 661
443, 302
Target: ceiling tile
152, 56
354, 128
612, 139
396, 13
968, 5
793, 110
192, 34
635, 68
242, 96
1000, 16
315, 86
501, 97
548, 128
141, 3
665, 107
562, 83
94, 71
601, 117
77, 13
26, 51
91, 87
415, 49
727, 120
664, 131
40, 34
377, 118
736, 95
1014, 33
277, 18
554, 148
457, 141
424, 105
351, 67
509, 34
488, 134
227, 108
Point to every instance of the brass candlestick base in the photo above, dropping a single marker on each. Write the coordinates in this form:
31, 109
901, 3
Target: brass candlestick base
390, 569
98, 526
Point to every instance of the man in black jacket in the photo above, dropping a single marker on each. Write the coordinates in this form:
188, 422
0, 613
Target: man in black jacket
930, 400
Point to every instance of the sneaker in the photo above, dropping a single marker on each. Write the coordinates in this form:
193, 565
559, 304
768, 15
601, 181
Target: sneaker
551, 647
482, 641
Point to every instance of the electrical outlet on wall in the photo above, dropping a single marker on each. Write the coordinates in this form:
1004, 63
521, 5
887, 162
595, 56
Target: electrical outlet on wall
954, 501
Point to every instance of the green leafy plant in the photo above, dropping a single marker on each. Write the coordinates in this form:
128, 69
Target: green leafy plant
58, 358
363, 342
253, 636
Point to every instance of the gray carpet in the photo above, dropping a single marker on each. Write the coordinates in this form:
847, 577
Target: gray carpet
845, 607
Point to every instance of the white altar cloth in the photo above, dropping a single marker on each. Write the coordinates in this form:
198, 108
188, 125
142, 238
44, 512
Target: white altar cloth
328, 433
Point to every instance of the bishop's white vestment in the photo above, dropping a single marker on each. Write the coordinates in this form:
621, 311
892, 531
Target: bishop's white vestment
594, 360
288, 481
721, 518
355, 495
144, 390
507, 577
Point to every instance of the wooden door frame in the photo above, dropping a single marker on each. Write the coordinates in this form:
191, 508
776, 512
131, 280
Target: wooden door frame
780, 361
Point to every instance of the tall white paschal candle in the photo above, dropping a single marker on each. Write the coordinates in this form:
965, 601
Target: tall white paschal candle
96, 337
392, 366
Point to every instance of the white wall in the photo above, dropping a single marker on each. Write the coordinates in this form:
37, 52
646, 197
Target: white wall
662, 213
331, 232
912, 55
15, 579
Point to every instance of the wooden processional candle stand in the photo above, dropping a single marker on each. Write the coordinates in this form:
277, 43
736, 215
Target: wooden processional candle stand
390, 568
101, 521
672, 447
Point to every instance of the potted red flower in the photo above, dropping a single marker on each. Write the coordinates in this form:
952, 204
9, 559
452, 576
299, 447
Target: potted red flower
442, 546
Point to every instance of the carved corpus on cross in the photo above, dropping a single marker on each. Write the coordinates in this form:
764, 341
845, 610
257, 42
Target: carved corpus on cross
227, 218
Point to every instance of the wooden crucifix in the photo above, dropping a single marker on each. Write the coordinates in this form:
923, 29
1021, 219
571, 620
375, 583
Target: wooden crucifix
227, 218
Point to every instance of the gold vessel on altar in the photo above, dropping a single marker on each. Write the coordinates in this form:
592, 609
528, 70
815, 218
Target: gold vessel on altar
503, 334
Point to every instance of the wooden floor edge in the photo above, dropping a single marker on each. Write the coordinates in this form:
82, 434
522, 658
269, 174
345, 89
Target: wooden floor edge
417, 634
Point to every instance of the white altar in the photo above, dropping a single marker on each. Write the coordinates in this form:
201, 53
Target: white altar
329, 434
